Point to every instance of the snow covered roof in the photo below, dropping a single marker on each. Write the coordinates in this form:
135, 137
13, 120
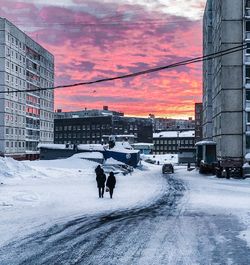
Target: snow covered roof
120, 136
86, 155
55, 146
142, 144
90, 147
171, 134
206, 143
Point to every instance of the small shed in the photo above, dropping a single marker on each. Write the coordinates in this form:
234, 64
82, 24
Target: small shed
56, 151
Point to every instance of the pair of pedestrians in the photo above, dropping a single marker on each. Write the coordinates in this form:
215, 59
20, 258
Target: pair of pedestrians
101, 179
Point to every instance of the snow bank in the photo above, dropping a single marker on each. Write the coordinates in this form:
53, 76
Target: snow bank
12, 168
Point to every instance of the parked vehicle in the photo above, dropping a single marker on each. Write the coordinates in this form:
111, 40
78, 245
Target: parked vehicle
167, 168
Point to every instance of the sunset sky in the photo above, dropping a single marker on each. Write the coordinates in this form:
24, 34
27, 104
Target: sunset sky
106, 38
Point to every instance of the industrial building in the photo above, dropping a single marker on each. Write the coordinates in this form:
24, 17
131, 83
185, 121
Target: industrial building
94, 127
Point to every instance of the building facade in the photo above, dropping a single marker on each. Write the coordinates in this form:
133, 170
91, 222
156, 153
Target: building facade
198, 122
226, 79
166, 124
90, 130
169, 142
26, 117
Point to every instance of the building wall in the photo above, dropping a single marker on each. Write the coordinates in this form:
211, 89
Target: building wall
223, 76
89, 130
171, 145
207, 73
165, 124
198, 122
26, 118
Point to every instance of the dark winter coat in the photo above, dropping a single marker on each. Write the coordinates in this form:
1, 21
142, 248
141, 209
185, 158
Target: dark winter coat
98, 170
101, 179
111, 181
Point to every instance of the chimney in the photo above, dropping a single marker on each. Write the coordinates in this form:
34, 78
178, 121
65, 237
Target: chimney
105, 107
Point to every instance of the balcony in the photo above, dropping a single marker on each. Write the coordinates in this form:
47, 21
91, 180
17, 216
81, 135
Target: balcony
247, 12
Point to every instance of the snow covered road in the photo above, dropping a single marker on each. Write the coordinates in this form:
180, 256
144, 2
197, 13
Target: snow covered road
165, 232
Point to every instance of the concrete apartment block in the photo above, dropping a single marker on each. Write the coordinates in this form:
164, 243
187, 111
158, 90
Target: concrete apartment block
224, 27
26, 117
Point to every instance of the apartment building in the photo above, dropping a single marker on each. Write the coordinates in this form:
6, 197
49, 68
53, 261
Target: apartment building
26, 117
226, 80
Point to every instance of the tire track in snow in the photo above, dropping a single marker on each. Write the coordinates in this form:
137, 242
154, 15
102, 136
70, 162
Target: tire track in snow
161, 233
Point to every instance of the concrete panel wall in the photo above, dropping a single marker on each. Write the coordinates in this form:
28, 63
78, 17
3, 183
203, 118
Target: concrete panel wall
2, 36
231, 123
231, 146
232, 31
231, 100
232, 77
232, 9
235, 58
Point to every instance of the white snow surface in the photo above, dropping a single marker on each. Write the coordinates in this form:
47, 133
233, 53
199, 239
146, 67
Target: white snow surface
41, 193
36, 193
112, 161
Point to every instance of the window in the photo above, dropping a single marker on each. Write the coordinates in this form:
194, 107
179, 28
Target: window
247, 94
247, 25
248, 141
248, 117
248, 71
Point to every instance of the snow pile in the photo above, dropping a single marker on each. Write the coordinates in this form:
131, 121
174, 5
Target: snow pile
12, 168
112, 161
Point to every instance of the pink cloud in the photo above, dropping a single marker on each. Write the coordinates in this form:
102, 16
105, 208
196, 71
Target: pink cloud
88, 47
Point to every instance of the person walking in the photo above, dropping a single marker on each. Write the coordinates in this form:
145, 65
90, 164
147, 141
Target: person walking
111, 183
98, 170
100, 179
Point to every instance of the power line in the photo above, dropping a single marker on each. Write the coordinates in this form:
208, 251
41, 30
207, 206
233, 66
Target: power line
151, 70
124, 22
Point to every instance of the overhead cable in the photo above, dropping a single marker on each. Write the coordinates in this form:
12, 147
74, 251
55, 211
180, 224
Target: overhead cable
143, 72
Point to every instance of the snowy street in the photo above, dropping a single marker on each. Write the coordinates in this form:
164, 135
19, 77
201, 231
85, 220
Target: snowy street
191, 219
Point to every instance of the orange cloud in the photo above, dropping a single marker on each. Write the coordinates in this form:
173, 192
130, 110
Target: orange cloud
88, 47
